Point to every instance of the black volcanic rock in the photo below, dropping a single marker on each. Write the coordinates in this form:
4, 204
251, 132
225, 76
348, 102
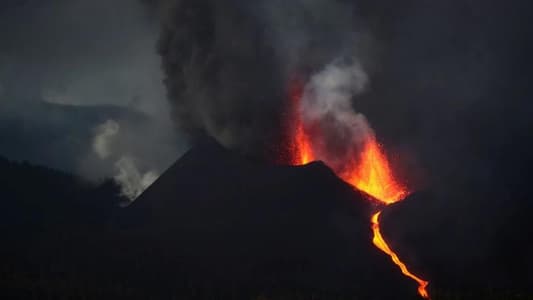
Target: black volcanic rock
216, 219
459, 247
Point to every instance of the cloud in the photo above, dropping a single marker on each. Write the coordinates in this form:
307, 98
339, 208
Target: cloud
103, 138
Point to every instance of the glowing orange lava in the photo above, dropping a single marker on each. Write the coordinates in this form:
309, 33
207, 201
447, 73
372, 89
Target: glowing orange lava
383, 246
370, 173
301, 147
304, 152
373, 175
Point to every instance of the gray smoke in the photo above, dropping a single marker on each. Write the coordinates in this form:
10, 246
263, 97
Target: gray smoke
133, 152
228, 63
104, 137
340, 132
130, 178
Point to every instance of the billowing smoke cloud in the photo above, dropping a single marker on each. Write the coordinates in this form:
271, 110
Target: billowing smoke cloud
228, 63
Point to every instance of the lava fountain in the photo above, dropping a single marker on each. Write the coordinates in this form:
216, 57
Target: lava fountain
373, 175
301, 151
370, 173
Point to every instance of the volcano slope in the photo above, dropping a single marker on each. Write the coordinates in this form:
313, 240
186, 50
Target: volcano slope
218, 221
461, 247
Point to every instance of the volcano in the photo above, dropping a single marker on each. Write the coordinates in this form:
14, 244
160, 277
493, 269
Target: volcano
222, 220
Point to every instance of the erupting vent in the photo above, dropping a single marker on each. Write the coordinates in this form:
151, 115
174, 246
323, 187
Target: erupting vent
301, 151
370, 173
373, 175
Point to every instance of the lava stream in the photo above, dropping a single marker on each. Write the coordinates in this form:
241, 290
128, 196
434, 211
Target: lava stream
381, 244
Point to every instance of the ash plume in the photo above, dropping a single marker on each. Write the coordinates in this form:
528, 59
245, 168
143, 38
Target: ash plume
228, 63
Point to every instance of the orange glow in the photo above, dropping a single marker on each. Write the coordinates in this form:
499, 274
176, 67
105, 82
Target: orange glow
370, 173
373, 175
383, 246
301, 150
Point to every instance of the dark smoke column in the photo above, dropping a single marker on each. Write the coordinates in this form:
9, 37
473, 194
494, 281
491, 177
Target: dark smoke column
228, 64
222, 75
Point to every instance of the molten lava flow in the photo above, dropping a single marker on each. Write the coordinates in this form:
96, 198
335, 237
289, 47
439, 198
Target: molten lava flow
370, 173
373, 175
382, 245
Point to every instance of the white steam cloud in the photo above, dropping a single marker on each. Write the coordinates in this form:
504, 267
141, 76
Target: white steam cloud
104, 137
327, 111
132, 180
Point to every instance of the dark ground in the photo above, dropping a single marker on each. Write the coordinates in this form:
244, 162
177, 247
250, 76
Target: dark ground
217, 225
